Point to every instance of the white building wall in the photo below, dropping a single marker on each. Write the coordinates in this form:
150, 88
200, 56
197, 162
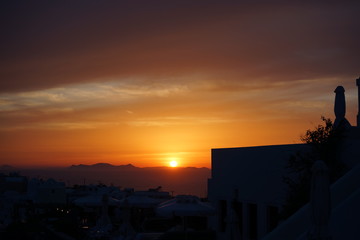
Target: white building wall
256, 172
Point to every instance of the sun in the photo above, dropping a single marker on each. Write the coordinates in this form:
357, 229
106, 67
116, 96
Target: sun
173, 163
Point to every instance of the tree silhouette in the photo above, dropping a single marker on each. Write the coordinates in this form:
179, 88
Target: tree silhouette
324, 142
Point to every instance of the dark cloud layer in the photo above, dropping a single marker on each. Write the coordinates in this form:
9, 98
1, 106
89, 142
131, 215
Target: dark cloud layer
47, 44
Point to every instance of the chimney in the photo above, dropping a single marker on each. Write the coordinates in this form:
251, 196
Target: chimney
358, 116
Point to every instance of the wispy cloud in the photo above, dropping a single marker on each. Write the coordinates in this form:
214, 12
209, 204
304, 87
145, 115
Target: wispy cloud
176, 121
82, 95
240, 42
63, 126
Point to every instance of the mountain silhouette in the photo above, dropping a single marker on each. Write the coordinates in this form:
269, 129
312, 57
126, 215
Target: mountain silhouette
100, 166
180, 180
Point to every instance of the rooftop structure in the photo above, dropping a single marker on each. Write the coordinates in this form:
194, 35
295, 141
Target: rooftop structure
247, 182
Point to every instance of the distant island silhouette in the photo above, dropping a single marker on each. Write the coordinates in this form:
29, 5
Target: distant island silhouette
180, 180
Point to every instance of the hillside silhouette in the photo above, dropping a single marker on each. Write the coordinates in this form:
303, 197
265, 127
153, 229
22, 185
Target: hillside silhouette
180, 180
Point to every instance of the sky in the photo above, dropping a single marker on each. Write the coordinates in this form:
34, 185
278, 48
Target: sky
148, 82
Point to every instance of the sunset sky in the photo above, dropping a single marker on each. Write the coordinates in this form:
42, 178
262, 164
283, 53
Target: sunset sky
148, 82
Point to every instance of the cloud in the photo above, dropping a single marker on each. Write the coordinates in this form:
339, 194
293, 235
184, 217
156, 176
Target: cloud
176, 40
67, 126
87, 94
169, 76
205, 101
81, 106
176, 121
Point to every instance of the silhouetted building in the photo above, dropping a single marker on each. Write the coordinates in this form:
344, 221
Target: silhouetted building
46, 192
247, 189
248, 182
12, 182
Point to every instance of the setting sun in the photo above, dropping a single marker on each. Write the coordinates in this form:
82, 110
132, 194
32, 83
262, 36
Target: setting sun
173, 163
147, 98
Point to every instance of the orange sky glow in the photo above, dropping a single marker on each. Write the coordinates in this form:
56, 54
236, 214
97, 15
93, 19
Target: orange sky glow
147, 83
